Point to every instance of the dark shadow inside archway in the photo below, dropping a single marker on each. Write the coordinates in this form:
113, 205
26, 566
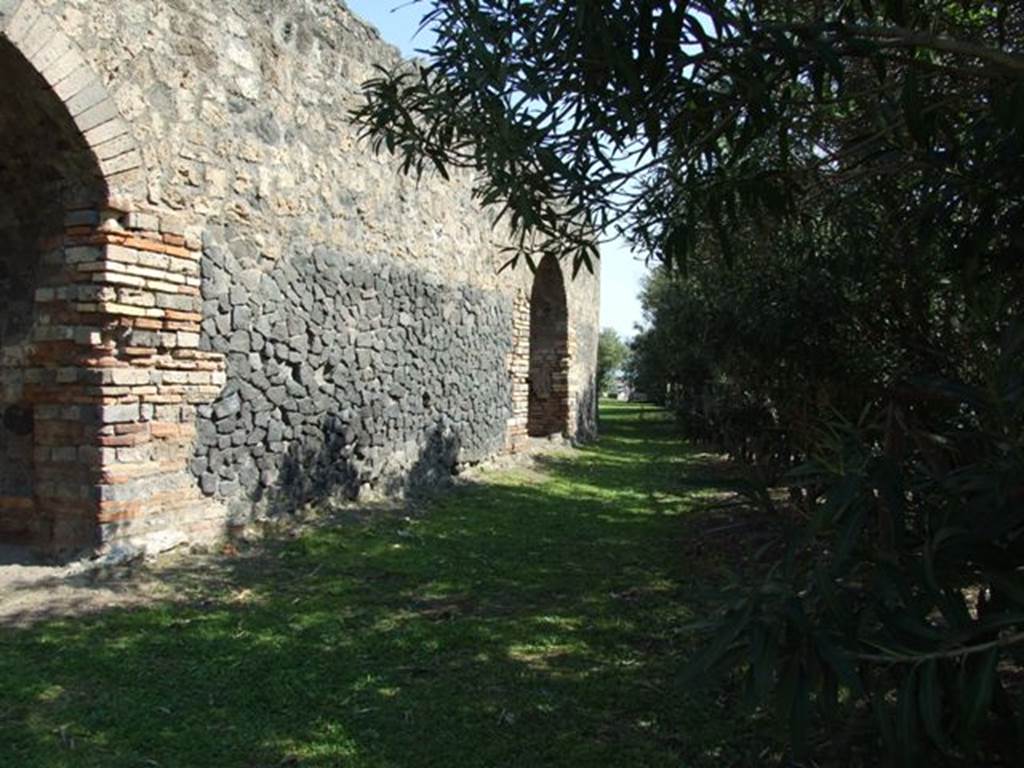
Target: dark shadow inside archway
46, 170
549, 352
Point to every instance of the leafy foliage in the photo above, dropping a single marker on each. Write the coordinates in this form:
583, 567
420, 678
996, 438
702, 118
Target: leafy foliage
666, 118
612, 354
902, 595
835, 193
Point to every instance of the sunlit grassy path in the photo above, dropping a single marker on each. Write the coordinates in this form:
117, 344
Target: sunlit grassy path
528, 621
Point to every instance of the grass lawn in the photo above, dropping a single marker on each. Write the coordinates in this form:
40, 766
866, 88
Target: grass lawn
528, 620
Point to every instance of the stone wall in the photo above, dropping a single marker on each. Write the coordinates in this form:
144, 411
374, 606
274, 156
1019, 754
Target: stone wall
370, 342
345, 375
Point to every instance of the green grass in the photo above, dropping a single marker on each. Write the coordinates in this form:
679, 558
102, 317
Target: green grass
529, 620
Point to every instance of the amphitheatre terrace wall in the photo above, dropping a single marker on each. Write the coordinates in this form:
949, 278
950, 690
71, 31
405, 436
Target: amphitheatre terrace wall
218, 299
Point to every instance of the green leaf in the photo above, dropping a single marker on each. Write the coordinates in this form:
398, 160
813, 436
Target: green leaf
794, 699
929, 700
906, 718
977, 687
700, 667
850, 532
842, 663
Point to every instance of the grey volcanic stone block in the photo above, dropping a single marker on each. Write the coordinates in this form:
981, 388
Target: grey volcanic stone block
424, 364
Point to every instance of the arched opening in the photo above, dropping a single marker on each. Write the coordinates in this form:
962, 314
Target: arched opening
48, 175
549, 353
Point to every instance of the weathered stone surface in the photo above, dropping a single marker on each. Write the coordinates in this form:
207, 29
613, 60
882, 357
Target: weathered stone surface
369, 339
406, 410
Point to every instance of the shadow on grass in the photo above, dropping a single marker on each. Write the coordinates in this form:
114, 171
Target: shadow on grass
521, 622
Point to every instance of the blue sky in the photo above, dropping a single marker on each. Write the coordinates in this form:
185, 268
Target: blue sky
621, 273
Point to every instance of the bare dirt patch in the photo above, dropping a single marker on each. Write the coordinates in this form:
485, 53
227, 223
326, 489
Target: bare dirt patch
31, 591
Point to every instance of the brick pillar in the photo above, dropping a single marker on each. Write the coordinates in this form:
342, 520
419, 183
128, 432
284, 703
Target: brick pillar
574, 386
116, 375
519, 372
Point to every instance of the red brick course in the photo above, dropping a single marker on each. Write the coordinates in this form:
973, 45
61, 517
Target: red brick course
114, 377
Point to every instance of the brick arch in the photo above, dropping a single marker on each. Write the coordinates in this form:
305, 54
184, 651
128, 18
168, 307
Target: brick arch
550, 409
63, 68
100, 381
46, 172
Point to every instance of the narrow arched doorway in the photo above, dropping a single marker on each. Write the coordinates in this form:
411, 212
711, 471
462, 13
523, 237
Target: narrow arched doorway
549, 353
48, 175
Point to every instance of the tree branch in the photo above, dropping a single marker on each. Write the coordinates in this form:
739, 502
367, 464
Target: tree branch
900, 658
901, 36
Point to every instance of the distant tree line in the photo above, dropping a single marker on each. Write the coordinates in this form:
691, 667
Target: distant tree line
612, 356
